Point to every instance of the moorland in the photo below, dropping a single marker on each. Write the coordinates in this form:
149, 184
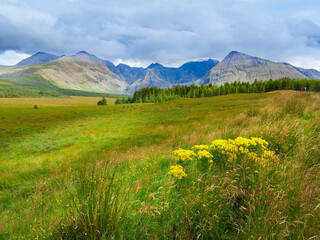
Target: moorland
249, 168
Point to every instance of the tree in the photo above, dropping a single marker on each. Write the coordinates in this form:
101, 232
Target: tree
118, 101
103, 101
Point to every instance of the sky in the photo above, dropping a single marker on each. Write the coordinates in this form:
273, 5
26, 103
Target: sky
139, 32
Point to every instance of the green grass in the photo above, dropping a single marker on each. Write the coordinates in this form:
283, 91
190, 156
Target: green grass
100, 172
36, 88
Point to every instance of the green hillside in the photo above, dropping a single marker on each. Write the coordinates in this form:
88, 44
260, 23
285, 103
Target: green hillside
10, 89
112, 172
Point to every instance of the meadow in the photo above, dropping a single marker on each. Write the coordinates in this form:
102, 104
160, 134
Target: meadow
75, 170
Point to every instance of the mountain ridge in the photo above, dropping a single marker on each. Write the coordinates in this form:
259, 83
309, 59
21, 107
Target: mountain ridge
310, 73
242, 67
37, 59
85, 71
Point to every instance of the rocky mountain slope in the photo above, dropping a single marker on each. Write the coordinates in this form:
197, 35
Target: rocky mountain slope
241, 67
310, 73
87, 72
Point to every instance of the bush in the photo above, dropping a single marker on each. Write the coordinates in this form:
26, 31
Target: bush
118, 101
103, 101
35, 107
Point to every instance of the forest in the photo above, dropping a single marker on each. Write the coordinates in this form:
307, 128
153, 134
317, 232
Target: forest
156, 94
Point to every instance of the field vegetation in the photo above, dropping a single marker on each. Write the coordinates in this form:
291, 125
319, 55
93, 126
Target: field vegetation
156, 94
239, 166
9, 89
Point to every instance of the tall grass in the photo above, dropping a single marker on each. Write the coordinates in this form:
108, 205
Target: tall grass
278, 199
126, 192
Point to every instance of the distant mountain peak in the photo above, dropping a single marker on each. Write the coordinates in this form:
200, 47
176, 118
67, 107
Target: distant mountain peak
86, 55
122, 65
201, 61
83, 53
234, 52
210, 60
237, 56
237, 66
37, 59
40, 53
155, 65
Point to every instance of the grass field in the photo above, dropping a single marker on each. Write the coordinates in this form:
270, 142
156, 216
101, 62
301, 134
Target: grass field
71, 101
75, 170
41, 89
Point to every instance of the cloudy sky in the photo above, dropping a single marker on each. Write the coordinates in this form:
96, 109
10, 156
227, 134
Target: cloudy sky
139, 32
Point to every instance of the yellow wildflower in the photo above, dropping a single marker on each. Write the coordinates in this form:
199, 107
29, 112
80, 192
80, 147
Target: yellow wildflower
245, 142
177, 171
183, 155
261, 142
200, 147
269, 154
253, 156
204, 154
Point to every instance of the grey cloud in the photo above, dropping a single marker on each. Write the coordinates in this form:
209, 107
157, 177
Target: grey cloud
162, 30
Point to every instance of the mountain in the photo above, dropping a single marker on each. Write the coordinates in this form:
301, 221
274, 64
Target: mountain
131, 74
241, 67
185, 74
37, 59
150, 79
191, 71
158, 75
82, 71
86, 72
310, 73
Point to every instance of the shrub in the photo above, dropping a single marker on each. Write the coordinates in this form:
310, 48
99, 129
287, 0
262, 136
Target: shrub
118, 101
103, 101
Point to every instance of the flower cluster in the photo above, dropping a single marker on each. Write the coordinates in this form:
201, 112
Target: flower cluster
254, 149
200, 147
183, 155
204, 154
177, 171
221, 150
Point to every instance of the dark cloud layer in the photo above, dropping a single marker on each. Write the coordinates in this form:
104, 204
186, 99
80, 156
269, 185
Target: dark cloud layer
168, 31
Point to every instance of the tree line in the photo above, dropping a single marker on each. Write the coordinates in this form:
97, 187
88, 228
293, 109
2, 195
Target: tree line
156, 94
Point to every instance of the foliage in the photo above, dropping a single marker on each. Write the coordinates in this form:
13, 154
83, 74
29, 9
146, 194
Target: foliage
156, 94
118, 101
103, 101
